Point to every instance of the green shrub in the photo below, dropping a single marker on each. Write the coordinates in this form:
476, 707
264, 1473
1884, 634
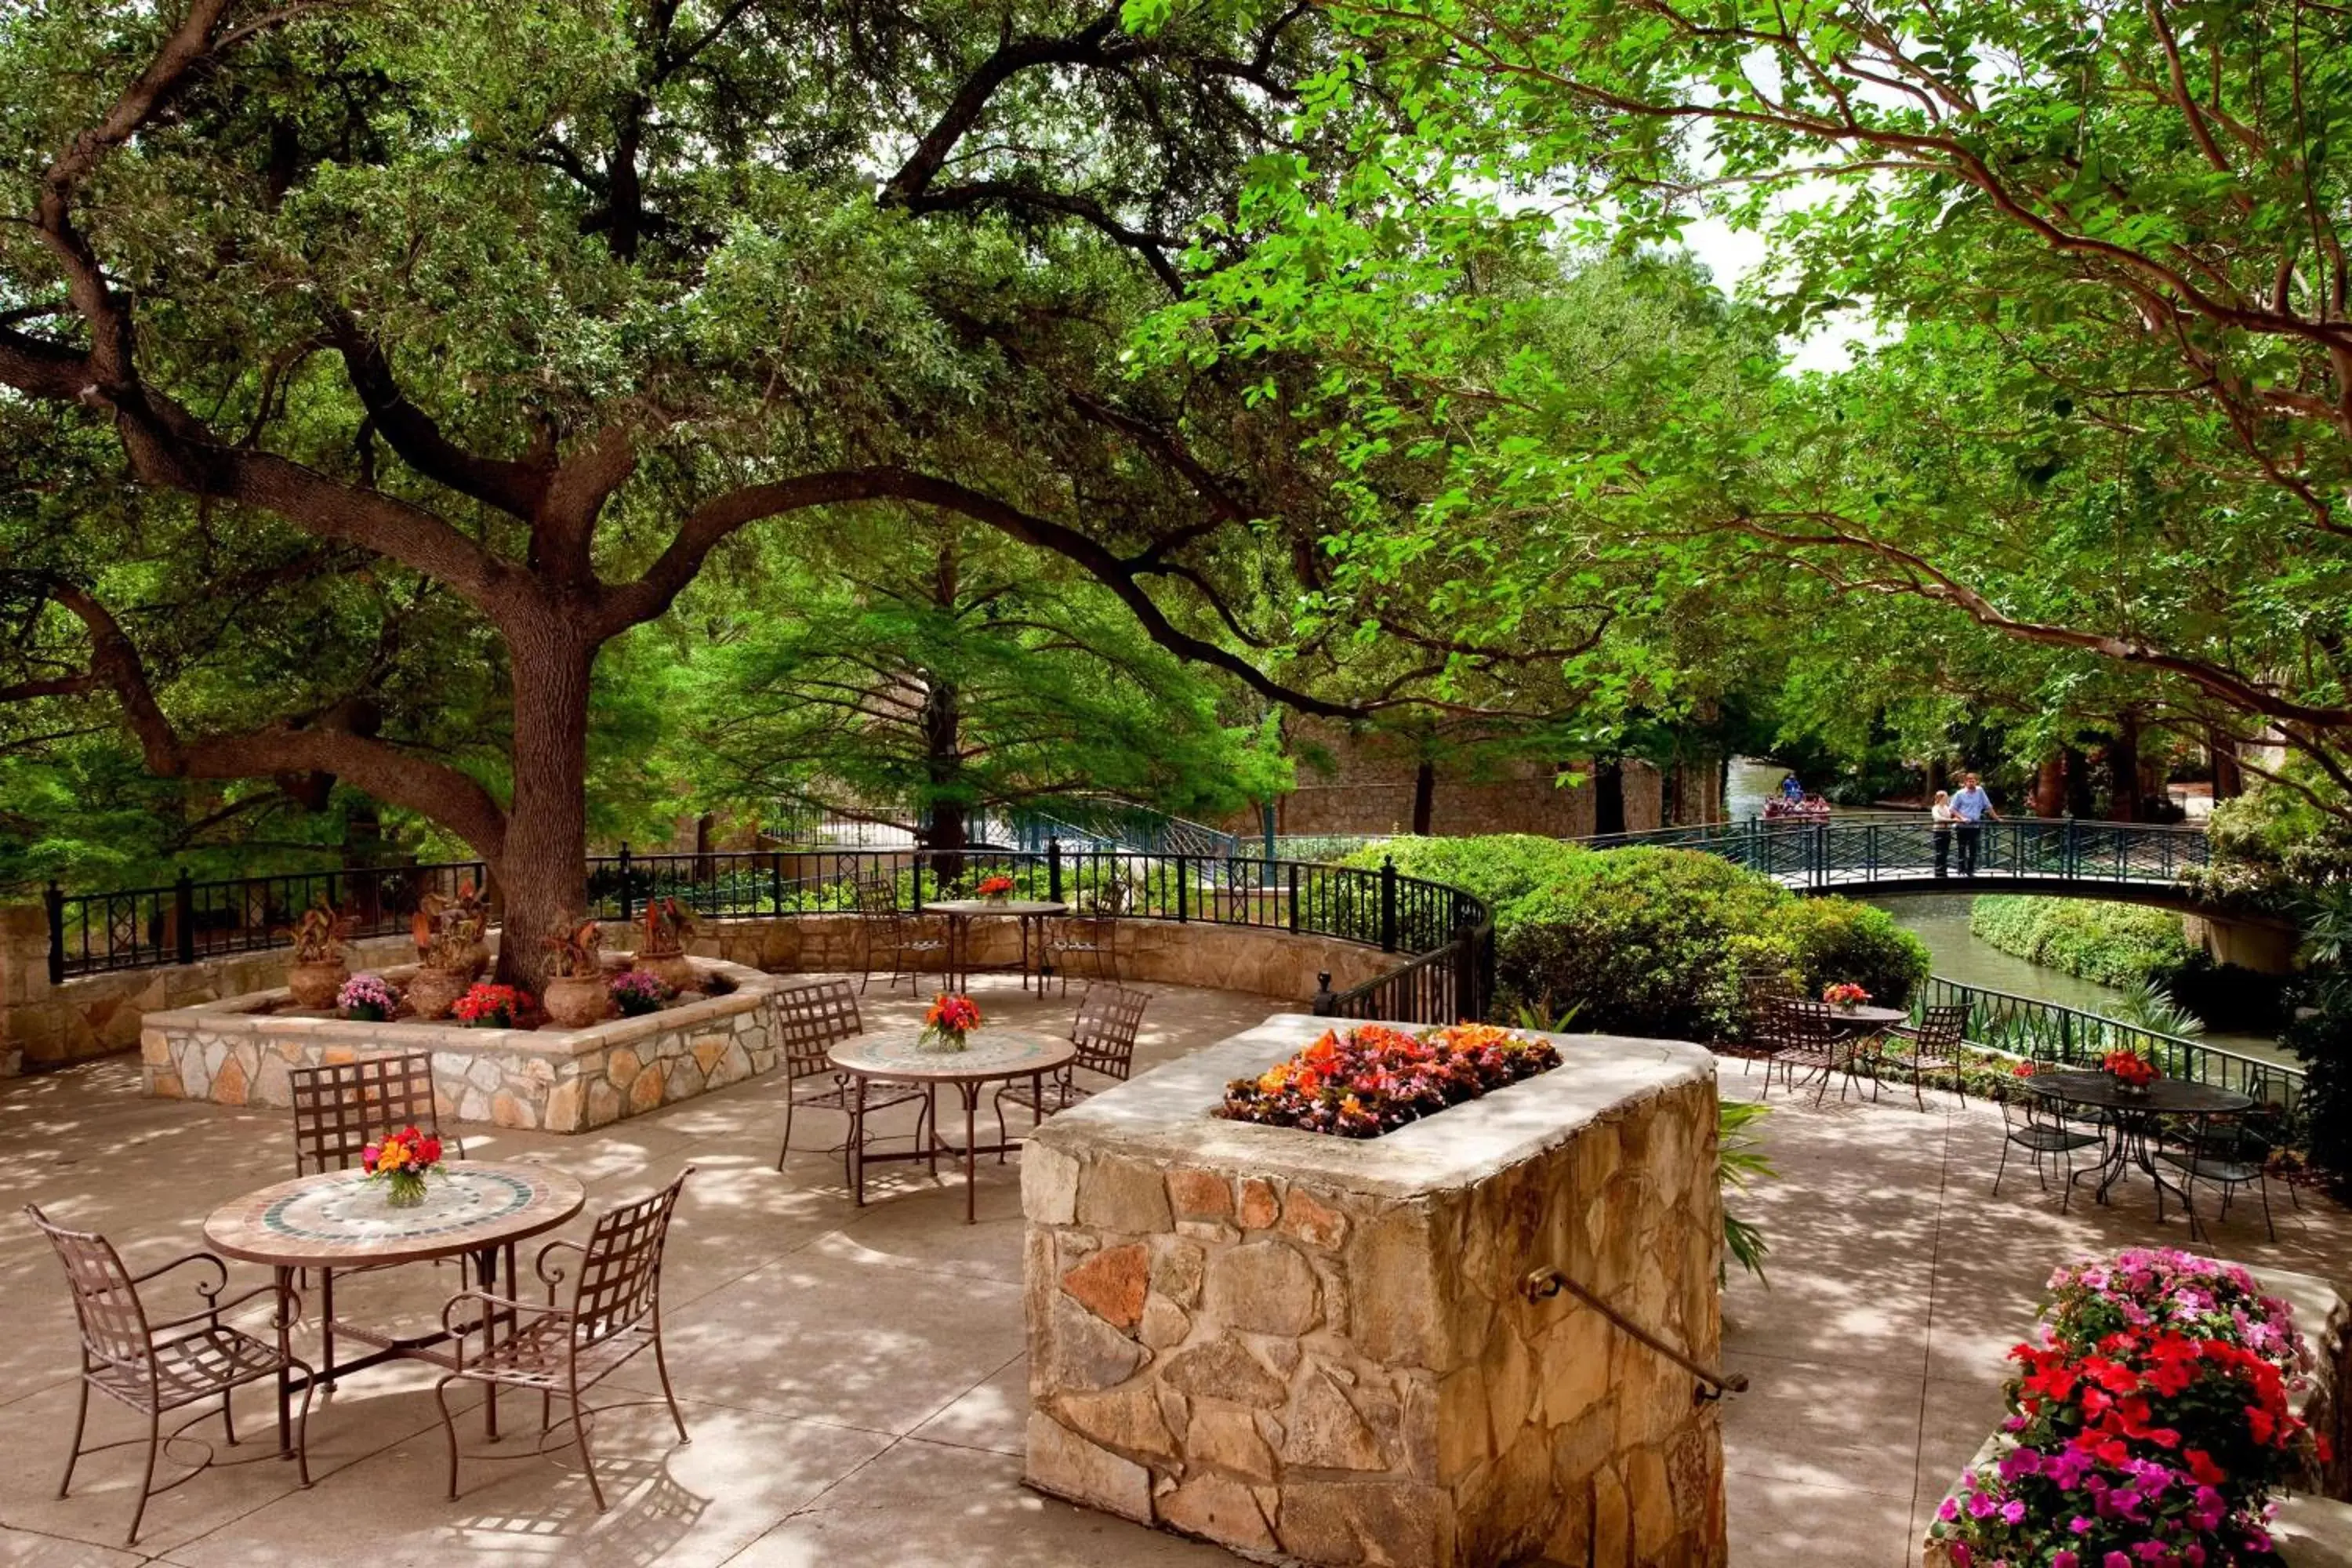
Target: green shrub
1835, 939
1498, 866
2115, 944
1651, 942
1643, 941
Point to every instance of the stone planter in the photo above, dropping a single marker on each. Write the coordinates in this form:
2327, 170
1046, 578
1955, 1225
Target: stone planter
242, 1050
315, 984
1319, 1350
431, 993
674, 969
576, 1002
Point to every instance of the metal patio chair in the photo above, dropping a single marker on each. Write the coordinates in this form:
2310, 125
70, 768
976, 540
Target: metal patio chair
1798, 1034
1933, 1045
154, 1368
341, 1109
565, 1351
2043, 1130
1091, 934
1108, 1020
891, 930
811, 1018
2220, 1152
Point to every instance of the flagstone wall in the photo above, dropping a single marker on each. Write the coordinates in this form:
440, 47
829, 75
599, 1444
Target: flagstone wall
1321, 1349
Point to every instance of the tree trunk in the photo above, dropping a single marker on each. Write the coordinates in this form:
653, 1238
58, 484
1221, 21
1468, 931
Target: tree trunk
2228, 778
1425, 796
950, 819
542, 876
2050, 786
1608, 796
2078, 785
2123, 772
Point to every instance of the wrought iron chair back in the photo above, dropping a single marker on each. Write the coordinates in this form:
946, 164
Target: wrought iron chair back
1109, 1017
812, 1018
620, 1272
1940, 1030
339, 1109
1792, 1023
107, 1307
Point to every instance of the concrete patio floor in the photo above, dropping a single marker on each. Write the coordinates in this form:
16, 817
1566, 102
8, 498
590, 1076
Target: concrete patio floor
855, 1380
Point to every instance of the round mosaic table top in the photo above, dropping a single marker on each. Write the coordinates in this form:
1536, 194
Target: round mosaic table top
993, 1050
1863, 1016
339, 1219
963, 908
2185, 1096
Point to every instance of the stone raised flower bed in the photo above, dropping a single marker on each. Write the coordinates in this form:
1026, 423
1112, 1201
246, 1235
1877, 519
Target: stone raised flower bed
1319, 1348
238, 1051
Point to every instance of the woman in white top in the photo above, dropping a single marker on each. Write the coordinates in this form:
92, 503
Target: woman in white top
1940, 816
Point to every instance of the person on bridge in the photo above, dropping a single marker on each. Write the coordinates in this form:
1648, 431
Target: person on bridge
1940, 821
1972, 807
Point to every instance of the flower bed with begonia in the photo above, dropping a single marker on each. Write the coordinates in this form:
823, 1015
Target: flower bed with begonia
1373, 1079
2150, 1424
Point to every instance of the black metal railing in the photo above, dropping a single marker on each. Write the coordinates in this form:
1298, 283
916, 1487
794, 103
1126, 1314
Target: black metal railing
1846, 852
149, 927
2047, 1032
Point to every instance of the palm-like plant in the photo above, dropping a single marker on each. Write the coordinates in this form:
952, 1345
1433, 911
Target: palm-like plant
1739, 1163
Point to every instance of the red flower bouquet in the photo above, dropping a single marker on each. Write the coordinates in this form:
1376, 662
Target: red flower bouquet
995, 887
401, 1163
2130, 1069
2149, 1423
1845, 994
1374, 1079
950, 1018
488, 1006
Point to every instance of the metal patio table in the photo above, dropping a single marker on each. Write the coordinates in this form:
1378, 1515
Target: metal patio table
2132, 1114
338, 1220
1033, 914
994, 1054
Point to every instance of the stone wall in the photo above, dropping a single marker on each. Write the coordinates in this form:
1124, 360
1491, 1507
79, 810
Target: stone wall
1318, 1349
1223, 958
47, 1026
236, 1052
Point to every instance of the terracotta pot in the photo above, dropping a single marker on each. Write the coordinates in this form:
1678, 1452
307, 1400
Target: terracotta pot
674, 969
314, 984
431, 993
577, 1001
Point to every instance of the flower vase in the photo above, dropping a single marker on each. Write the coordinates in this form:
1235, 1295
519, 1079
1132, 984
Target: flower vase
1848, 1007
942, 1040
403, 1190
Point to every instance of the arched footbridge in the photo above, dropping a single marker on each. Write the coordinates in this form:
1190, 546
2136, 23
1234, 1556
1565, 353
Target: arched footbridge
2114, 860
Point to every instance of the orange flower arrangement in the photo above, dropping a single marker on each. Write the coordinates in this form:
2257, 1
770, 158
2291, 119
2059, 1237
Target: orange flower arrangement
1845, 994
2130, 1069
950, 1019
1374, 1078
402, 1161
995, 887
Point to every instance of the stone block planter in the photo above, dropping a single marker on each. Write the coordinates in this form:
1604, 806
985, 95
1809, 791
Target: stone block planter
1315, 1348
238, 1052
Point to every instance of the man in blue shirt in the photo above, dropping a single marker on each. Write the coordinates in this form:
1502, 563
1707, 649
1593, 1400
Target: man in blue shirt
1971, 808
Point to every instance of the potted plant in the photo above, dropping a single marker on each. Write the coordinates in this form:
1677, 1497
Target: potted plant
576, 995
950, 1018
366, 999
449, 932
635, 993
488, 1006
661, 950
1844, 995
318, 972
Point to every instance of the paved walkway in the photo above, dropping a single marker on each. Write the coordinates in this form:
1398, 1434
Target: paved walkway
855, 1380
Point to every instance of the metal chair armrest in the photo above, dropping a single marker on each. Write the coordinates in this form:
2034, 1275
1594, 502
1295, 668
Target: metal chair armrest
211, 1314
220, 1271
551, 1278
489, 1304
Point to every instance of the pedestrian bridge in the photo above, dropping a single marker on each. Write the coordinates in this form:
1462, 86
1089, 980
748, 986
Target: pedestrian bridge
2122, 861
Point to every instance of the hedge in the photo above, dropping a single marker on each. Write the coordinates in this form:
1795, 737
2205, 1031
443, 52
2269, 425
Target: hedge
2121, 945
1652, 942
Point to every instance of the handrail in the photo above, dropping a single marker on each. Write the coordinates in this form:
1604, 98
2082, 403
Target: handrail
151, 927
1543, 1284
1831, 853
2052, 1031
